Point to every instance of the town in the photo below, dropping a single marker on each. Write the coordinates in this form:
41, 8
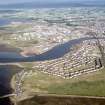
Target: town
53, 47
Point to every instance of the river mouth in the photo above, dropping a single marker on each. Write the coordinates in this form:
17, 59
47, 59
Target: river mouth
8, 71
6, 74
54, 53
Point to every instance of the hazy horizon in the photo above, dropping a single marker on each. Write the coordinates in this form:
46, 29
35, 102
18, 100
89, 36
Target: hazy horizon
3, 2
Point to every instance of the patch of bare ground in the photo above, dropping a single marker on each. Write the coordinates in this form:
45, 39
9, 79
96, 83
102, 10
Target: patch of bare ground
63, 100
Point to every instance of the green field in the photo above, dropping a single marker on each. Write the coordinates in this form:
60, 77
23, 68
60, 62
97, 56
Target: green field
92, 84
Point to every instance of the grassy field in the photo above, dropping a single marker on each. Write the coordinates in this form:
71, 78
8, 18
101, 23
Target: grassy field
87, 85
95, 88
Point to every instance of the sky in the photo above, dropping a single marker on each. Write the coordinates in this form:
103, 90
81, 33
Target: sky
38, 1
